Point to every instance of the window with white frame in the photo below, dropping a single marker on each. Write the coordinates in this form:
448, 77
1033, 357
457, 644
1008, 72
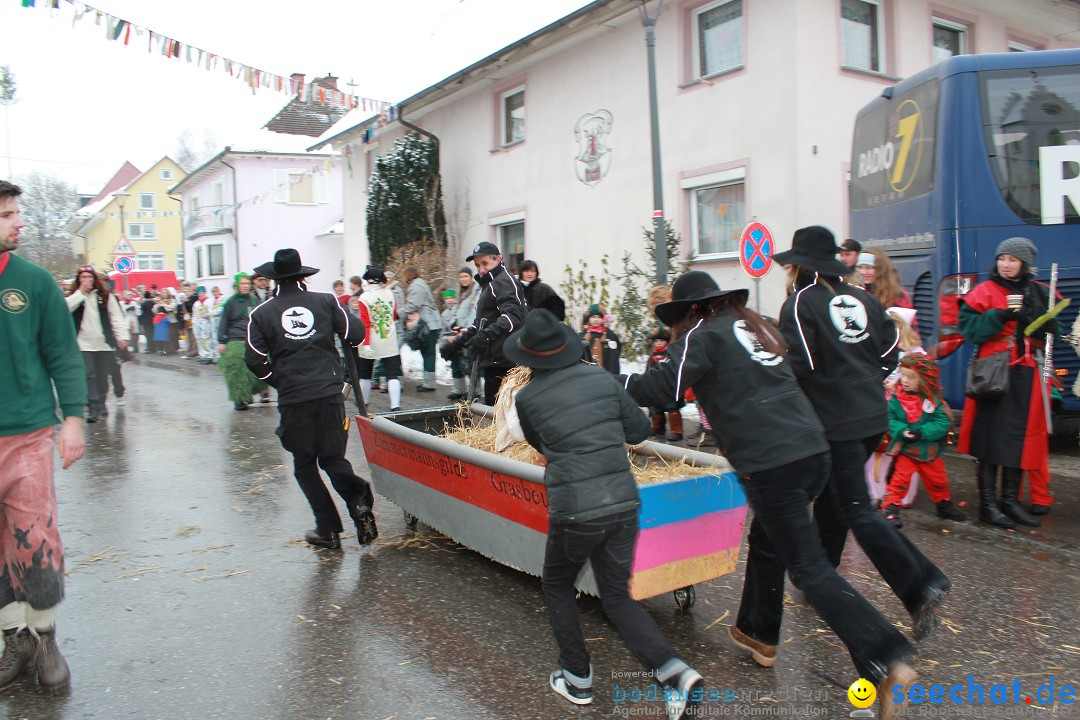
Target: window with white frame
166, 173
718, 37
215, 260
717, 212
217, 192
180, 263
861, 34
197, 255
1017, 46
148, 201
950, 39
513, 116
512, 243
142, 231
301, 187
150, 261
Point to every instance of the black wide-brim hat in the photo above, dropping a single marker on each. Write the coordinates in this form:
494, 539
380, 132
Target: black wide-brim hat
693, 287
286, 264
814, 248
543, 343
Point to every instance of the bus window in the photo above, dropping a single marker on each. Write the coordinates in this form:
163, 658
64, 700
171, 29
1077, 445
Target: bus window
1027, 111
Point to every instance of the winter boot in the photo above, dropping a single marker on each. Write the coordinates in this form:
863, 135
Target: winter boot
659, 425
989, 512
18, 655
428, 384
947, 511
366, 530
460, 390
1010, 505
674, 426
51, 667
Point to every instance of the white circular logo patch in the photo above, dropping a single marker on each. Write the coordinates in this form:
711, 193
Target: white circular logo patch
298, 322
849, 317
13, 300
757, 351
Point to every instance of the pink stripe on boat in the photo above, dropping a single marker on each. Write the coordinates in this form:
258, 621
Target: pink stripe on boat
703, 535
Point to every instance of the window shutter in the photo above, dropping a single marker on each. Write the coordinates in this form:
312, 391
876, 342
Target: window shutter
281, 185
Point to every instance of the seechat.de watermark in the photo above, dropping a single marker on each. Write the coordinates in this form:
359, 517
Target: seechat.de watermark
974, 693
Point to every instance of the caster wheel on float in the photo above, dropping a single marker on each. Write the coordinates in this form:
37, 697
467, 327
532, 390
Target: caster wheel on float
685, 597
410, 520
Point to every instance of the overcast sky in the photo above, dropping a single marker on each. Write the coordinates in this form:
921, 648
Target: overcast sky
86, 104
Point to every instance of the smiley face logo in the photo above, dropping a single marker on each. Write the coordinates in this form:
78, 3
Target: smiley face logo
862, 693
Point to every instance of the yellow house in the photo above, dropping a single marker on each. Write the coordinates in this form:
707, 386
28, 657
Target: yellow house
133, 215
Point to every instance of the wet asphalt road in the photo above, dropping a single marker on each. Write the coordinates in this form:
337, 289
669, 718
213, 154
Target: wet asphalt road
191, 595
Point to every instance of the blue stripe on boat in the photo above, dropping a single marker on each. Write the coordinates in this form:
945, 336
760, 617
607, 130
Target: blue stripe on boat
663, 503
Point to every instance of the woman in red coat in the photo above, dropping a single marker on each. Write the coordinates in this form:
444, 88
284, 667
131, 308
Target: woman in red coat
1010, 430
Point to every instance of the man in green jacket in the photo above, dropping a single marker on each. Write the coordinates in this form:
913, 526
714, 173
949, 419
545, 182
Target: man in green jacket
38, 353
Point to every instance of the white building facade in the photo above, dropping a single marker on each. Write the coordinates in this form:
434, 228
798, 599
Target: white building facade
545, 145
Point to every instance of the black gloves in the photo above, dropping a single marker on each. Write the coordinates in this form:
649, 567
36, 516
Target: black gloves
481, 340
450, 349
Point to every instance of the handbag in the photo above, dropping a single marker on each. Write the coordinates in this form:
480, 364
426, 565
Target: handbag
415, 336
988, 377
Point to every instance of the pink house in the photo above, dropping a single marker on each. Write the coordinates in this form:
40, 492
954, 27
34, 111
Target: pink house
241, 206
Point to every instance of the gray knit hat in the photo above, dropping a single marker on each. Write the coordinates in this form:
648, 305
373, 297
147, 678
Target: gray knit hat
1018, 247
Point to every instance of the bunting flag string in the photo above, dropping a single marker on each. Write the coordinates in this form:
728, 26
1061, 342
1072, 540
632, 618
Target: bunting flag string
119, 30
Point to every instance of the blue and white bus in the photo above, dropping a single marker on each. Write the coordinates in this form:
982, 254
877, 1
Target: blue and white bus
951, 161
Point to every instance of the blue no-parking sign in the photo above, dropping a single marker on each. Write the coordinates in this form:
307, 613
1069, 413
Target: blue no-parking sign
123, 265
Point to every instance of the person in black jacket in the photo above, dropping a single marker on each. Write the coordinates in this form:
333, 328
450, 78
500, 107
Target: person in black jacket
502, 305
539, 294
291, 346
580, 420
843, 346
599, 343
736, 363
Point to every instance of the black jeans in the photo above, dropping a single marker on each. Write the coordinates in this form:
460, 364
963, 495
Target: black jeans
98, 366
847, 505
609, 543
117, 377
429, 350
314, 432
493, 377
783, 536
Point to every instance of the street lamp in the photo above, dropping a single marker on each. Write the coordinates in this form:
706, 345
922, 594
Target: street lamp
121, 197
659, 232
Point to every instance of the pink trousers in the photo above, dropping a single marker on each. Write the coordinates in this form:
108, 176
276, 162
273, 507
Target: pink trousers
31, 554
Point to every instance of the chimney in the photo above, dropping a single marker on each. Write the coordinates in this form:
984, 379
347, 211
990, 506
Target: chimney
329, 81
298, 79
